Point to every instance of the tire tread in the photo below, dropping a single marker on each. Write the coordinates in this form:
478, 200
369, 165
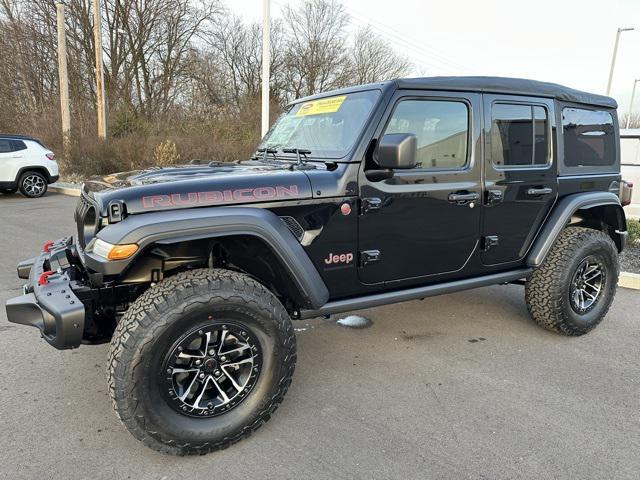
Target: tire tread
144, 315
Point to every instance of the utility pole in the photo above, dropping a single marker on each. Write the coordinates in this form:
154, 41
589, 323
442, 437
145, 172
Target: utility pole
266, 61
613, 57
64, 81
97, 33
633, 94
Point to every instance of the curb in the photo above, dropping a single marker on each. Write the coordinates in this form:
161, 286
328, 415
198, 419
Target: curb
72, 192
629, 280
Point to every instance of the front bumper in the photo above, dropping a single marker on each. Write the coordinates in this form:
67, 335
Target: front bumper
49, 302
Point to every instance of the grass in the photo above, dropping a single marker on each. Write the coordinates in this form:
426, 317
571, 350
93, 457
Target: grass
633, 227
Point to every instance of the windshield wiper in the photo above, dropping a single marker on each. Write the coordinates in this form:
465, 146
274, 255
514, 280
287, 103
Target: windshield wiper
298, 152
265, 152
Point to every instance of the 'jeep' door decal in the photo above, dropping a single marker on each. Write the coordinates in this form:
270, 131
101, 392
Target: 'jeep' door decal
337, 259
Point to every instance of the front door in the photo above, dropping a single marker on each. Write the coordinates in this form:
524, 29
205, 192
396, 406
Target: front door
520, 174
424, 221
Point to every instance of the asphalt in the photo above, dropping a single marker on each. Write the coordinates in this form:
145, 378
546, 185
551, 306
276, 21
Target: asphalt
462, 386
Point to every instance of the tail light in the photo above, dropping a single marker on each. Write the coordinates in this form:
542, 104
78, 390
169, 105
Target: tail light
626, 192
51, 156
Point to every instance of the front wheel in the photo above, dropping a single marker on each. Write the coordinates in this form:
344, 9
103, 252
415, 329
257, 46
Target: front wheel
573, 289
200, 361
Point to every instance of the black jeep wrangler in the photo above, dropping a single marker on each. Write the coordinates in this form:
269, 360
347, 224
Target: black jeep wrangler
359, 197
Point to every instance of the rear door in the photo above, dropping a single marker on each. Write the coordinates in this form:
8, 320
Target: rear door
520, 174
11, 158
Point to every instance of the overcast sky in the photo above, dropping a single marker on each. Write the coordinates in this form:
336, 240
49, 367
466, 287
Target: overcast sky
564, 41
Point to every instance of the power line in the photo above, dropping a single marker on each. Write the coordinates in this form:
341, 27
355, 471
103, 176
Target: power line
401, 38
422, 53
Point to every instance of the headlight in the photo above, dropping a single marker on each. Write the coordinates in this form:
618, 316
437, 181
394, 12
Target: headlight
109, 251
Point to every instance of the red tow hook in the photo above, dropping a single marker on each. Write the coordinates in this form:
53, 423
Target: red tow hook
47, 246
43, 279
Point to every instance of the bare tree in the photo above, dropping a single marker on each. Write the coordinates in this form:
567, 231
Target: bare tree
316, 47
634, 122
174, 63
371, 59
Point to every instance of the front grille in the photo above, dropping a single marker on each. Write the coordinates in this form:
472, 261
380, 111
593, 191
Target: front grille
86, 218
293, 225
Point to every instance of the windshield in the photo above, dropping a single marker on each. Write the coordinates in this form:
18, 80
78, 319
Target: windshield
327, 127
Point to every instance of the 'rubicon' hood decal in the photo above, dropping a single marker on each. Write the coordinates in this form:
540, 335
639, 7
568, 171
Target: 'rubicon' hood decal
212, 197
194, 186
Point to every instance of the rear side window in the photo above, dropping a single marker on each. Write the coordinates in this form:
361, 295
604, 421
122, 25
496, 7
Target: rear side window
442, 129
519, 135
5, 146
8, 146
589, 138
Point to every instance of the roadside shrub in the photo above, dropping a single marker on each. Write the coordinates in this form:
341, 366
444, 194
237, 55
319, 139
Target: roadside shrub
165, 154
127, 123
633, 227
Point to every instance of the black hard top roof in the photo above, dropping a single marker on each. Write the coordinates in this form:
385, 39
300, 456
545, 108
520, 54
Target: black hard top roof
512, 86
515, 86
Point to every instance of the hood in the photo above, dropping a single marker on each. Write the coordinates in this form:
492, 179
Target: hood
190, 186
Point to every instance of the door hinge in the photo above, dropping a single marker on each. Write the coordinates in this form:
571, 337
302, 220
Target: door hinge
371, 204
368, 257
489, 242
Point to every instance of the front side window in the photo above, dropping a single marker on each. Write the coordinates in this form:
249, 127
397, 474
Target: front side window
519, 135
328, 127
442, 129
589, 138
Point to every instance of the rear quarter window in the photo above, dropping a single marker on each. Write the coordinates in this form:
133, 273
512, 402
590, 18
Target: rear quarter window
589, 138
18, 145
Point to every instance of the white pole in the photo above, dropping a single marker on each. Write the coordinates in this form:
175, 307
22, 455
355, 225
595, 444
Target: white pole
266, 60
100, 96
64, 81
613, 57
633, 94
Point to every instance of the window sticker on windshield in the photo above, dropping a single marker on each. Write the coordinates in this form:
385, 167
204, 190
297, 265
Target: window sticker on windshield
324, 105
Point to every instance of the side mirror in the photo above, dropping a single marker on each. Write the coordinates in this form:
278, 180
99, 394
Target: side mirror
398, 150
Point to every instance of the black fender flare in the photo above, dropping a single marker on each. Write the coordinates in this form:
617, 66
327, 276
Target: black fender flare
184, 225
561, 214
35, 168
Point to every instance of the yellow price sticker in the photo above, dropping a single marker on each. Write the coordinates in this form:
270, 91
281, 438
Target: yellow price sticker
324, 105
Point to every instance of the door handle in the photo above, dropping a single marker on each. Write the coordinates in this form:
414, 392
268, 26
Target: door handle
539, 191
463, 197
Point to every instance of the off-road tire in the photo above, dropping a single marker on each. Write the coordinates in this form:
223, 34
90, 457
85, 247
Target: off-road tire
547, 291
33, 184
161, 314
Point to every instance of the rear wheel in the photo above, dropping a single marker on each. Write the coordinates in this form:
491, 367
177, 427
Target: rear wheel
200, 361
573, 289
32, 184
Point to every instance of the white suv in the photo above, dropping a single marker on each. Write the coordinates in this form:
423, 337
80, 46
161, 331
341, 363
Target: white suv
26, 164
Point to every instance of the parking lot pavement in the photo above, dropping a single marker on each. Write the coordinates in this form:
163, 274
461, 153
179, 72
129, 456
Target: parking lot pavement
458, 386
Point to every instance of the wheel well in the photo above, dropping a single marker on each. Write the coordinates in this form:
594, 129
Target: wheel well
606, 218
243, 253
41, 170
